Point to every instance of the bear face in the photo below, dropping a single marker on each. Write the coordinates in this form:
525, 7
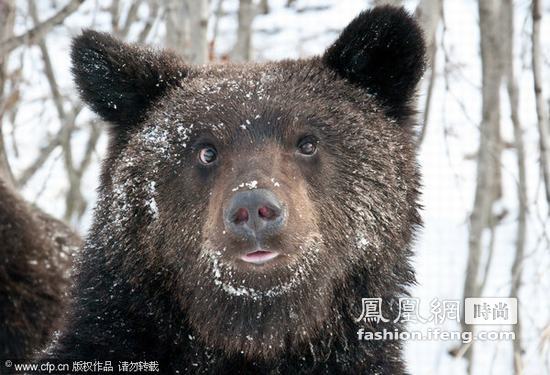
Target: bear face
263, 201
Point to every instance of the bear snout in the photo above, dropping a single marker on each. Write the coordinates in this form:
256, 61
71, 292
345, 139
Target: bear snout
254, 215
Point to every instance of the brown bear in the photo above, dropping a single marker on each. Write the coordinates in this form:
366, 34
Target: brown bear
36, 255
245, 210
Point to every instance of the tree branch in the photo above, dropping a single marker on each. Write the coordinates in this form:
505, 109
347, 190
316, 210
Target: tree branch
39, 30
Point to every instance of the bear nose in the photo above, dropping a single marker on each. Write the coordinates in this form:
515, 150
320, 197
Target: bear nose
254, 214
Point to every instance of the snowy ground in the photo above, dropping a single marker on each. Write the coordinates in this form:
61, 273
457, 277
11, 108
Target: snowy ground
448, 176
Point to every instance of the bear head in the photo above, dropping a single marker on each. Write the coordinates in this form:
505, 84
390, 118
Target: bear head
262, 200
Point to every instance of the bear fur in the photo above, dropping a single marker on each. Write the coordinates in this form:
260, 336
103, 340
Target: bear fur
36, 255
157, 279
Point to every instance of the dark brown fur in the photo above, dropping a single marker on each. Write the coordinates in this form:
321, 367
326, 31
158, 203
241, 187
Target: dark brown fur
159, 277
36, 254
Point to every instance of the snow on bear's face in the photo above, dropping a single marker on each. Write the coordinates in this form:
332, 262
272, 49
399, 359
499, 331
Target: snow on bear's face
254, 193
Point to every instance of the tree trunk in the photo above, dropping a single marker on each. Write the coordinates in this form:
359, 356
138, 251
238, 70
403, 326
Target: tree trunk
264, 6
542, 111
428, 13
177, 26
488, 157
186, 29
7, 19
396, 3
199, 27
242, 51
513, 95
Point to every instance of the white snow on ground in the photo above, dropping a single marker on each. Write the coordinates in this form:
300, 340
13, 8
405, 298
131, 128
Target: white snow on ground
449, 177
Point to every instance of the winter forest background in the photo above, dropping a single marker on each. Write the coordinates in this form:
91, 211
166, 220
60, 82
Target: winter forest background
484, 145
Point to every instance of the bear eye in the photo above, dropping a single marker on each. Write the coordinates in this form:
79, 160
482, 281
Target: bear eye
307, 146
208, 155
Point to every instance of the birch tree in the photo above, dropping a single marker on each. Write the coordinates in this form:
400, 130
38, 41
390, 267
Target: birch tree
39, 30
521, 233
7, 18
242, 51
542, 110
429, 14
387, 2
488, 157
186, 29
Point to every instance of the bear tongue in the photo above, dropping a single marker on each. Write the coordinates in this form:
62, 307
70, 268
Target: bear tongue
259, 256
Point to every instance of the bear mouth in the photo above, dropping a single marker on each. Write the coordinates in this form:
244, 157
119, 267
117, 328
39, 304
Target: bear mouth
258, 257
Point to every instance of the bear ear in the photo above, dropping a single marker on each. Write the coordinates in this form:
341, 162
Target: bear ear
120, 81
382, 50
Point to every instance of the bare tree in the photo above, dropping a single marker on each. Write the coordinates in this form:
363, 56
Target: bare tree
7, 19
513, 95
186, 29
429, 14
199, 27
264, 6
488, 156
121, 30
177, 25
74, 200
39, 30
387, 2
68, 109
242, 50
542, 111
217, 16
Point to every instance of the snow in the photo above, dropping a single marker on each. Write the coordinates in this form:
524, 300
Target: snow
184, 132
251, 185
362, 242
222, 274
151, 202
